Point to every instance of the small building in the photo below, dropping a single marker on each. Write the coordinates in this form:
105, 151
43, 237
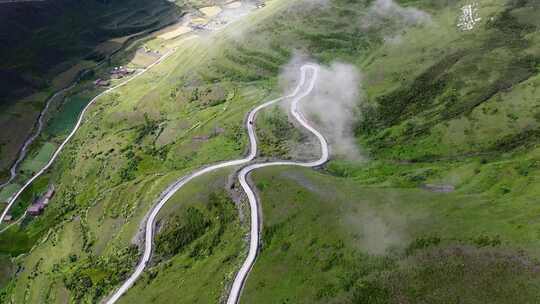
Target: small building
101, 83
41, 203
50, 192
8, 218
120, 72
35, 209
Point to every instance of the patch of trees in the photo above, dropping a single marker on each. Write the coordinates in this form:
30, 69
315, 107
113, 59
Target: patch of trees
200, 229
412, 99
234, 72
181, 231
348, 42
276, 134
271, 233
223, 213
235, 133
91, 278
522, 140
128, 172
149, 127
208, 97
261, 65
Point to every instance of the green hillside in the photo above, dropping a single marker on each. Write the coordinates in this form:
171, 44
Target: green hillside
439, 208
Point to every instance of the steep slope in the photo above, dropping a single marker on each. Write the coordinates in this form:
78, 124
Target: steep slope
48, 44
444, 109
44, 39
135, 141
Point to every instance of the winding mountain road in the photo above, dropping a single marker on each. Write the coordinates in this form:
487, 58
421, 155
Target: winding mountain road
242, 274
75, 128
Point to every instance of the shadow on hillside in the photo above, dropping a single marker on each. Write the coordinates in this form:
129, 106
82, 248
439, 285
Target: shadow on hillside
46, 38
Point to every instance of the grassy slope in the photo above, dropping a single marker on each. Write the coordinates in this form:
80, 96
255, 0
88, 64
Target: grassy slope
134, 143
327, 240
467, 120
198, 270
110, 190
461, 94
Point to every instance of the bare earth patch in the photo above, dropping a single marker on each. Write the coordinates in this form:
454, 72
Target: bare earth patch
211, 11
175, 32
199, 21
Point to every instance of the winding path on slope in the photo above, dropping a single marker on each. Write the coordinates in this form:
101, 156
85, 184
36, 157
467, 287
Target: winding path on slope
75, 129
241, 276
254, 230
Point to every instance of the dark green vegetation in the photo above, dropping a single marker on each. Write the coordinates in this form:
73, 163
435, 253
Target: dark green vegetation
472, 80
277, 137
6, 270
68, 114
180, 232
88, 279
446, 276
442, 107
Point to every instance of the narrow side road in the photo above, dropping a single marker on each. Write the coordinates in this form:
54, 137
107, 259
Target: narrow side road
171, 190
241, 276
38, 128
75, 128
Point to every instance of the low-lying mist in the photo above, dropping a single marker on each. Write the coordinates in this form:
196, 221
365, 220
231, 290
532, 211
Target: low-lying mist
378, 233
388, 9
333, 103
